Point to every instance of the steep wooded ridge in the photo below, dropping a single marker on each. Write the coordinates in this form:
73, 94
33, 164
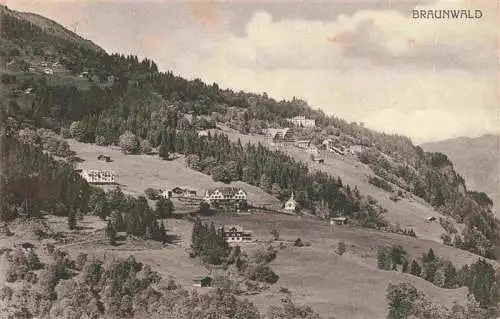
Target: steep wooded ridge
477, 159
120, 94
57, 85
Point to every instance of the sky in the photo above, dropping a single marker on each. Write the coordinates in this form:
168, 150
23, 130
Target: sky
365, 61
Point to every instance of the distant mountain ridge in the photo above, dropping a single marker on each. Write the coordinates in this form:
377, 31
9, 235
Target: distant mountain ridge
52, 27
476, 159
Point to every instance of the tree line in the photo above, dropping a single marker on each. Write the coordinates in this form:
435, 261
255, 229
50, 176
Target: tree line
480, 278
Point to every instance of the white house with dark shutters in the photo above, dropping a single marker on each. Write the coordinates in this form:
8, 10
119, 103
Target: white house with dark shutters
98, 176
225, 194
236, 234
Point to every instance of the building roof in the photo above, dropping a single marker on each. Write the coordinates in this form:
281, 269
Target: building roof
184, 188
280, 133
231, 227
339, 218
203, 280
226, 191
303, 142
94, 171
237, 228
291, 200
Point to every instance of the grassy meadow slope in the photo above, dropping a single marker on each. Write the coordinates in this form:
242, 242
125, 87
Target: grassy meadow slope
409, 212
139, 172
348, 286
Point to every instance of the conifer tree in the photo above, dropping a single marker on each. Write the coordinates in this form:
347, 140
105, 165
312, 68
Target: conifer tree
383, 259
450, 276
111, 233
71, 219
197, 237
163, 233
163, 152
415, 268
404, 269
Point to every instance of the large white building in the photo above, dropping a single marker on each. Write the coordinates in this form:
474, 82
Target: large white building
97, 176
302, 121
236, 234
225, 194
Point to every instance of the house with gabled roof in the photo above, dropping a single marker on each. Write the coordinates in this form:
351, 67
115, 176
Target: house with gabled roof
221, 194
180, 192
279, 136
98, 176
236, 234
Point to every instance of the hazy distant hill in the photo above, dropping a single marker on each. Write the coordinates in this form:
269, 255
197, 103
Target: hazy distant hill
52, 27
476, 159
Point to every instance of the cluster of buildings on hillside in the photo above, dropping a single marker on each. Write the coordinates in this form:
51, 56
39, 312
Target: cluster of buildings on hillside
302, 121
286, 137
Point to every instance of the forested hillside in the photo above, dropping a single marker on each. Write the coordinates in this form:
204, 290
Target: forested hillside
477, 159
128, 98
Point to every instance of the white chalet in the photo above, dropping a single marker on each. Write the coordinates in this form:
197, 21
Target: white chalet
98, 176
225, 194
236, 234
338, 220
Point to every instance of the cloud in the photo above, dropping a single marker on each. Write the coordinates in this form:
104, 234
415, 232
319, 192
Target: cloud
367, 36
383, 68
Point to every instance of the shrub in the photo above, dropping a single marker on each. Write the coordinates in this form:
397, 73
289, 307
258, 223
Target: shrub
402, 300
288, 309
93, 272
81, 259
145, 147
152, 194
29, 136
384, 259
100, 140
263, 273
77, 131
6, 293
298, 243
275, 234
381, 183
63, 149
265, 256
11, 273
341, 248
64, 132
50, 277
128, 143
31, 277
33, 261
